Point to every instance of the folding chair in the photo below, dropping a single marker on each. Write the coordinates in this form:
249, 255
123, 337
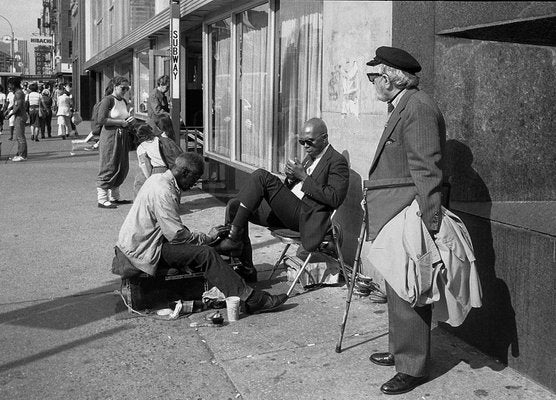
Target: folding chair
331, 239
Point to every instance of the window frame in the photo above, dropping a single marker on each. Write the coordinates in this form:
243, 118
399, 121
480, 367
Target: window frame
233, 160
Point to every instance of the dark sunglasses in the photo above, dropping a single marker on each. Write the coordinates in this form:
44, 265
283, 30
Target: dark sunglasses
310, 142
372, 76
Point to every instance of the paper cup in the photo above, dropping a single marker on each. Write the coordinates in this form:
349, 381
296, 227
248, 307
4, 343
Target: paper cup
232, 307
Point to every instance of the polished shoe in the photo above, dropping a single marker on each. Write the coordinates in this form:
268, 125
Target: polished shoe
122, 201
402, 383
229, 247
260, 302
107, 204
384, 359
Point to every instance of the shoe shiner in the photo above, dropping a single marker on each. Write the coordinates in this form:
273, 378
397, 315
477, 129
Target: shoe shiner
153, 231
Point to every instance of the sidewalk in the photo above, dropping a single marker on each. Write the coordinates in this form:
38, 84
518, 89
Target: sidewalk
63, 334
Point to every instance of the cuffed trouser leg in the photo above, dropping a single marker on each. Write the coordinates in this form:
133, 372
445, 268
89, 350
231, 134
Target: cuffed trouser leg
102, 195
204, 258
114, 194
410, 334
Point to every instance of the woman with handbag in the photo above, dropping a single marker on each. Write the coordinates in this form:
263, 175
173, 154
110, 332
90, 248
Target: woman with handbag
116, 120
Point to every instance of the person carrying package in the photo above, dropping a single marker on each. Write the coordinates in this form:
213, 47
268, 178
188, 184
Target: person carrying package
153, 232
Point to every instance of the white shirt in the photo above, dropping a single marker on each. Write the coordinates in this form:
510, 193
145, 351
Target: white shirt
297, 188
151, 149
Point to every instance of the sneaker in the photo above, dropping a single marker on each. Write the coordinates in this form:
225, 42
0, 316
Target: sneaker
18, 158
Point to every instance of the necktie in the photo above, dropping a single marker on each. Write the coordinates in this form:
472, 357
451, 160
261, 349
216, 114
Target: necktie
390, 107
308, 164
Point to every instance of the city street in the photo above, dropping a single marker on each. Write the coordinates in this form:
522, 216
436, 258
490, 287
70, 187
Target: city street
65, 334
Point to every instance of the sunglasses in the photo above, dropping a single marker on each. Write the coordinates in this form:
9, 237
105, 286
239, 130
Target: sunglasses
310, 141
372, 76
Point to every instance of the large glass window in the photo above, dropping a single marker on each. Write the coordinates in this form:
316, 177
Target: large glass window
219, 37
254, 111
246, 126
143, 82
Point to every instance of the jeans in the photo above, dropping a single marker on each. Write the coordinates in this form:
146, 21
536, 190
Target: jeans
204, 258
19, 130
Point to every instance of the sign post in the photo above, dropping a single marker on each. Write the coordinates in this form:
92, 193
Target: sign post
175, 66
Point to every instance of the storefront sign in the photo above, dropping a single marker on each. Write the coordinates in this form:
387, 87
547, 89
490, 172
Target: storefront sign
42, 40
175, 57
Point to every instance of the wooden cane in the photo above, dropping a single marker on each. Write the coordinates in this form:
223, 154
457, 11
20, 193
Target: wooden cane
356, 267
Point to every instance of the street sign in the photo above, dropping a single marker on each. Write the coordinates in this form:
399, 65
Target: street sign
44, 40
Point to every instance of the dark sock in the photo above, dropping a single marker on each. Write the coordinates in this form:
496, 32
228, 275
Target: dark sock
242, 217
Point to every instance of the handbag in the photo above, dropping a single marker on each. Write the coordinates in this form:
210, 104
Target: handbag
76, 118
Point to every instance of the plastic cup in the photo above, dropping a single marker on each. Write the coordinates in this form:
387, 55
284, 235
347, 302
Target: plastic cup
232, 308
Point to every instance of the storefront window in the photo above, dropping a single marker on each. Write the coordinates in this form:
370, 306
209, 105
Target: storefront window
143, 83
254, 111
219, 35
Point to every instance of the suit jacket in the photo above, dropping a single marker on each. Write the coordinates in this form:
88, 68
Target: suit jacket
325, 190
408, 163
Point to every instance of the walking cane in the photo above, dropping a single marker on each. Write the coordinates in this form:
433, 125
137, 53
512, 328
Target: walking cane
356, 267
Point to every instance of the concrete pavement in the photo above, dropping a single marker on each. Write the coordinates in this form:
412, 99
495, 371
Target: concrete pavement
64, 334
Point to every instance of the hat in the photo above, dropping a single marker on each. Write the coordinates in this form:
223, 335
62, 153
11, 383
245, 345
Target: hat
46, 92
395, 58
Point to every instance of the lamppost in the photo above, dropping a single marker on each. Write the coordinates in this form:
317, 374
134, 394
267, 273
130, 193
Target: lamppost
12, 42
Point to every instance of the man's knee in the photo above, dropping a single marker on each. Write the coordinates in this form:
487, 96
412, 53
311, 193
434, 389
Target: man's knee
260, 174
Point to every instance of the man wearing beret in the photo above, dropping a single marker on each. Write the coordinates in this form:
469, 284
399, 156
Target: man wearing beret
407, 166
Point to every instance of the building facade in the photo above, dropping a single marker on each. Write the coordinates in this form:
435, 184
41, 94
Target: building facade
251, 72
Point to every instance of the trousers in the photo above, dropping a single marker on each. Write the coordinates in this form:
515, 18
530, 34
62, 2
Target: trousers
199, 258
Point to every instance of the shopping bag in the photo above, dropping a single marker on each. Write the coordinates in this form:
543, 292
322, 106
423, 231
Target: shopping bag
76, 118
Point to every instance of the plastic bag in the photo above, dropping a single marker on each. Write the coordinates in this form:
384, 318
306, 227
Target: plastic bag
76, 118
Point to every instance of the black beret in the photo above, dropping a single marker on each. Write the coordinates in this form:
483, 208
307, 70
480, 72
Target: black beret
395, 58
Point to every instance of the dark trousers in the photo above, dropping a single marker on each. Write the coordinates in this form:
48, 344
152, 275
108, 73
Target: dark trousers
271, 204
46, 124
204, 258
410, 334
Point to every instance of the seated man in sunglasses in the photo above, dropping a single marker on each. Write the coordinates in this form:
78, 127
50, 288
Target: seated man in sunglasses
303, 202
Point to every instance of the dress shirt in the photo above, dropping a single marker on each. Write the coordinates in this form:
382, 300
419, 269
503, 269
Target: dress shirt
153, 219
309, 168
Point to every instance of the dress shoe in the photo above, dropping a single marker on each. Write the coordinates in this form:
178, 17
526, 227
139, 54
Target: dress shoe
122, 201
229, 247
402, 383
260, 302
384, 359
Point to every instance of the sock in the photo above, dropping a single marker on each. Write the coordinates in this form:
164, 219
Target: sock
102, 195
242, 217
114, 194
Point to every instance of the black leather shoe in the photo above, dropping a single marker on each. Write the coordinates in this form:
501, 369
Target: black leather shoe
260, 302
229, 247
384, 359
122, 201
402, 383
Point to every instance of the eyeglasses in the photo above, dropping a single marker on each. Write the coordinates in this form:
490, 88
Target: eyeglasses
372, 76
310, 141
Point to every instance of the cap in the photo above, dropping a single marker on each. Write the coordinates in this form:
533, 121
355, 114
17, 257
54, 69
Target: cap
395, 58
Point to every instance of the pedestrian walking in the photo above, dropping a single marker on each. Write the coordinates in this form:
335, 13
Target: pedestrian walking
3, 106
64, 111
45, 114
33, 108
8, 108
19, 115
116, 120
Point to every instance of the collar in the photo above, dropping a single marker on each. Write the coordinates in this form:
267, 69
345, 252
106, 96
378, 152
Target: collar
396, 99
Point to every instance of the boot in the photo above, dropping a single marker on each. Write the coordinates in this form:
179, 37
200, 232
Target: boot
260, 302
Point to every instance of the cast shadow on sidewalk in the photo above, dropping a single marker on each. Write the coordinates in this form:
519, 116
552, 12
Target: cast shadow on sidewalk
67, 312
491, 328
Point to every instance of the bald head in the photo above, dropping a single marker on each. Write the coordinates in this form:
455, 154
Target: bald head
314, 136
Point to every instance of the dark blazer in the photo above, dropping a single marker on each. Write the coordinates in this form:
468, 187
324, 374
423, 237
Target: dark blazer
325, 190
408, 163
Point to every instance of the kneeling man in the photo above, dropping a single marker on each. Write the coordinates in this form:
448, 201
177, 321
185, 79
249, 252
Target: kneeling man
153, 231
